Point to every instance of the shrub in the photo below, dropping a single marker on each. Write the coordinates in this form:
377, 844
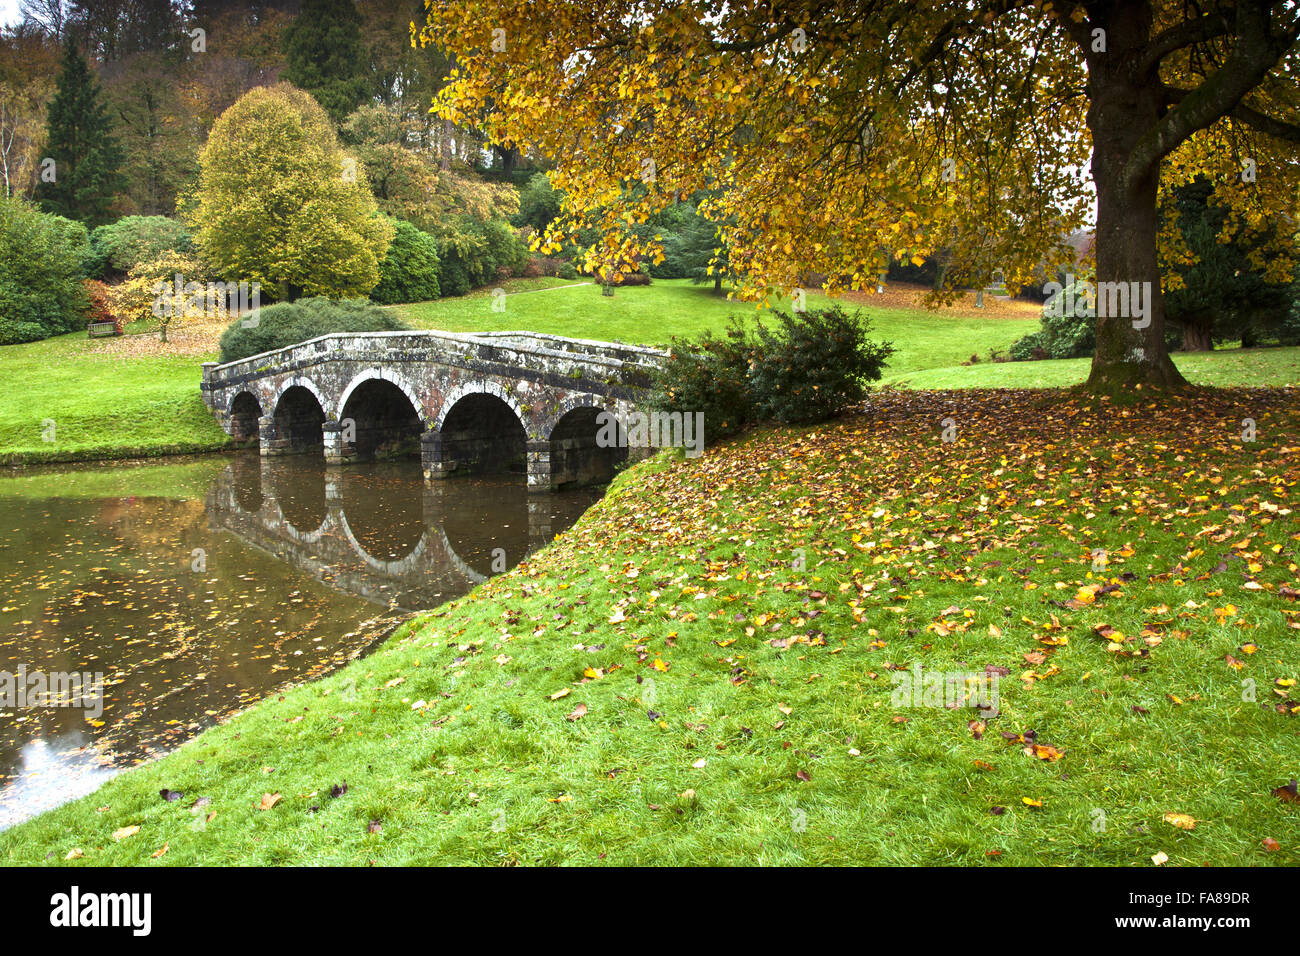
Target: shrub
127, 243
474, 253
409, 270
709, 375
288, 323
807, 369
813, 365
568, 271
42, 258
1030, 348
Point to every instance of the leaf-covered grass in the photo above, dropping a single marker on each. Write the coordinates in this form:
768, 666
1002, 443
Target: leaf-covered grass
730, 624
101, 405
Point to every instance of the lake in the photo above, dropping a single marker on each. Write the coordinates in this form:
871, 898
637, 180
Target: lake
141, 603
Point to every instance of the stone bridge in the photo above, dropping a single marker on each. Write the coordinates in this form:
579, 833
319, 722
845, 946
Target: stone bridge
483, 402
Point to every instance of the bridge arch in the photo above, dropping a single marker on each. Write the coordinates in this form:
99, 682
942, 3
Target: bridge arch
480, 387
298, 417
585, 447
395, 379
480, 428
381, 414
245, 412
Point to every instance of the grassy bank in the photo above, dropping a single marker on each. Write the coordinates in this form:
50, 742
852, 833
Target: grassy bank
69, 399
701, 669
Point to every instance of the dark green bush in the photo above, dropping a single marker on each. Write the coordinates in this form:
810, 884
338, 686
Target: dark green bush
42, 260
812, 365
709, 375
538, 203
1030, 347
806, 369
473, 254
409, 271
288, 323
122, 245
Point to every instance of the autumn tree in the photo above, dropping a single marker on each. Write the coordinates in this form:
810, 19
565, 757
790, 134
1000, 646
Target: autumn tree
842, 135
85, 176
402, 178
280, 204
28, 63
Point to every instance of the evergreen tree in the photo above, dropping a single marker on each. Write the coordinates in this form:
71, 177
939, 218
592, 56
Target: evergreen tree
1224, 296
693, 248
327, 56
87, 157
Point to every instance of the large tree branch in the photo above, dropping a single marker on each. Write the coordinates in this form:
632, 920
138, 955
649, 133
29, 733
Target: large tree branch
1185, 34
1255, 119
1259, 48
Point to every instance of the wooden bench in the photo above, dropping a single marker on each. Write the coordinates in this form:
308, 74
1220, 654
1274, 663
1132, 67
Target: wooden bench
100, 329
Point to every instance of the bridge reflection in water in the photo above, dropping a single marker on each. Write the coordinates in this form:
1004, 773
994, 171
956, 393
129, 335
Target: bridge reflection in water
382, 532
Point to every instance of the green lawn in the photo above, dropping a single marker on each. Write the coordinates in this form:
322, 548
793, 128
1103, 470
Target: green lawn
700, 671
1222, 368
100, 406
652, 315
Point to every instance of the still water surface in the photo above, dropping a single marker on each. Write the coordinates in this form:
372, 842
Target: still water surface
196, 588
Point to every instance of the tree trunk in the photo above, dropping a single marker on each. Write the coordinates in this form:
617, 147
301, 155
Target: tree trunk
445, 158
1197, 334
1124, 105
